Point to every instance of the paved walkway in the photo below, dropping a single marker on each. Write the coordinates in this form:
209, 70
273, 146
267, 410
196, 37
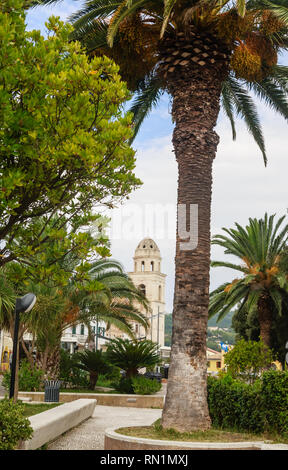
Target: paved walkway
90, 434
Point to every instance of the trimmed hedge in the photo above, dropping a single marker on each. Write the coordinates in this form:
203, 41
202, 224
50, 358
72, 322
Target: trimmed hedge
259, 407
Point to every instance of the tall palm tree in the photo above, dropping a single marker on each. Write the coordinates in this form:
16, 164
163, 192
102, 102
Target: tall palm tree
204, 53
263, 286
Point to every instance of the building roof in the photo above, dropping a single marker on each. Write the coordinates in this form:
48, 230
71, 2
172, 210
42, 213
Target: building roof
147, 244
212, 354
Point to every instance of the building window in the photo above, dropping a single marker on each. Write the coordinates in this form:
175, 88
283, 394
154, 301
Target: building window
135, 266
142, 289
73, 330
82, 330
208, 363
152, 265
159, 293
142, 266
218, 365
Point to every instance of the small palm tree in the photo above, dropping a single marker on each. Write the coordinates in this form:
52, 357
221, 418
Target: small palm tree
263, 285
93, 362
107, 294
111, 296
131, 356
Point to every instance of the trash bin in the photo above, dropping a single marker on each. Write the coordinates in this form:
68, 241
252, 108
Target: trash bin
52, 390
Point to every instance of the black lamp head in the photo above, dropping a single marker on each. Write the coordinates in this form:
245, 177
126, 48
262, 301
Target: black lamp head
25, 303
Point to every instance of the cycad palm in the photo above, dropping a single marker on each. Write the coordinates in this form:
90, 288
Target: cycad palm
93, 362
262, 285
133, 355
204, 53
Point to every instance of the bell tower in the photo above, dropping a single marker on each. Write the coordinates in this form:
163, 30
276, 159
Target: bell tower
148, 277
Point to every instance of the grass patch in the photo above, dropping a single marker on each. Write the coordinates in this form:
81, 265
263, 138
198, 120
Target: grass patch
212, 435
34, 409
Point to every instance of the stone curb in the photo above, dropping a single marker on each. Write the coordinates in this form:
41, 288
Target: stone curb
50, 424
105, 399
116, 441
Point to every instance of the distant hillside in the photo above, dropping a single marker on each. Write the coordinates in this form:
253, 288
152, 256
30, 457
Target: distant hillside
213, 337
168, 329
225, 323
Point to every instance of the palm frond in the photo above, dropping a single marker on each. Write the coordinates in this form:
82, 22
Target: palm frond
94, 9
272, 95
168, 7
36, 3
92, 35
125, 10
224, 264
148, 95
246, 109
228, 107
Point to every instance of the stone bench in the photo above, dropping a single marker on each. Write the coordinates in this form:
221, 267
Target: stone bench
50, 424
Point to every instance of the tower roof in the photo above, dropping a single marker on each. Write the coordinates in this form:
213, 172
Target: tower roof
147, 244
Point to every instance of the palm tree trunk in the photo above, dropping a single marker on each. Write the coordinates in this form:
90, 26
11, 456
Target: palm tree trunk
49, 361
265, 319
93, 377
196, 101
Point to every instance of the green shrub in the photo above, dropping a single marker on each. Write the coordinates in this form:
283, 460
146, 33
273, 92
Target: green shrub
235, 405
275, 400
138, 385
124, 385
247, 359
30, 378
13, 425
258, 407
111, 379
143, 386
70, 375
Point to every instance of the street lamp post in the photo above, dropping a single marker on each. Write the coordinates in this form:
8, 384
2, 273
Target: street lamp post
158, 326
23, 304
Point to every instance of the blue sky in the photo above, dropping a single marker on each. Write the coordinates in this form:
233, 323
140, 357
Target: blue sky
242, 186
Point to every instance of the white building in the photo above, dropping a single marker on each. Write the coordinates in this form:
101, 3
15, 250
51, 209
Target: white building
148, 277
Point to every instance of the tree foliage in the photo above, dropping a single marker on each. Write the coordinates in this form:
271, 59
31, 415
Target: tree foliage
13, 425
63, 141
93, 362
247, 359
259, 247
134, 32
132, 355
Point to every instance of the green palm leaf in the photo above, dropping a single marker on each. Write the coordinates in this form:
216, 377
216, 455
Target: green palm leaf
246, 109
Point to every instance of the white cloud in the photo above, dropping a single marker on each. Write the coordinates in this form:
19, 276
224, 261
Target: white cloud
37, 16
242, 187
